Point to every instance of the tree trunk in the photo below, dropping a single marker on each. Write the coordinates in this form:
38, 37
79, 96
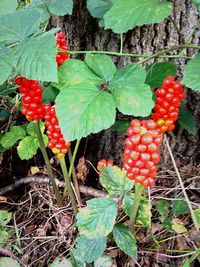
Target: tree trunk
84, 33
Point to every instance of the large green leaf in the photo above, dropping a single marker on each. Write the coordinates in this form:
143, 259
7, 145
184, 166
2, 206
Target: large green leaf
98, 8
98, 218
187, 120
104, 261
114, 180
7, 6
27, 147
91, 249
8, 262
61, 7
49, 94
7, 62
197, 4
158, 72
143, 210
191, 76
75, 71
126, 14
61, 262
102, 65
17, 26
10, 138
82, 109
131, 95
121, 125
179, 207
36, 58
125, 240
76, 259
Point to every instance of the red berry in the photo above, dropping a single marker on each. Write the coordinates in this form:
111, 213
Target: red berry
104, 163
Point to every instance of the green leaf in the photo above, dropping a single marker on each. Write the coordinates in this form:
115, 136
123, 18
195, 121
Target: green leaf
36, 58
178, 227
5, 217
98, 8
8, 262
114, 180
104, 261
197, 4
197, 214
61, 7
88, 110
102, 65
10, 138
158, 72
27, 147
75, 71
17, 26
30, 129
77, 261
7, 6
49, 94
120, 125
163, 207
179, 207
98, 218
91, 249
186, 263
61, 262
125, 240
191, 77
7, 62
187, 120
143, 210
4, 115
167, 223
124, 15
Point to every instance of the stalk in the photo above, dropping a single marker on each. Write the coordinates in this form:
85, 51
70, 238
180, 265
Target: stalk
48, 165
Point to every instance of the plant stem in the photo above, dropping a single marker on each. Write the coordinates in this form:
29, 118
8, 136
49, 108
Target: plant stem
68, 185
136, 202
76, 185
121, 43
193, 31
72, 164
182, 185
49, 168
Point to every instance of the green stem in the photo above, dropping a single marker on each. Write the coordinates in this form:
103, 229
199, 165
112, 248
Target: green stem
72, 163
68, 185
49, 168
75, 180
121, 43
193, 31
136, 202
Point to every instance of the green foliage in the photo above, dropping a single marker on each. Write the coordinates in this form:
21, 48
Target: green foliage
125, 240
5, 233
102, 65
143, 214
131, 95
197, 214
88, 110
158, 72
90, 249
186, 263
197, 4
187, 120
27, 147
179, 207
8, 262
60, 7
114, 180
7, 61
49, 94
61, 262
122, 125
10, 138
124, 15
191, 76
104, 261
36, 58
163, 207
178, 227
76, 259
7, 6
167, 223
98, 218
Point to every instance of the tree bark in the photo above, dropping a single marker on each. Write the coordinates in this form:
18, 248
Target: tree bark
83, 33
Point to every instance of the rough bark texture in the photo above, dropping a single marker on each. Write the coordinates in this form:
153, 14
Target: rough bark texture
84, 34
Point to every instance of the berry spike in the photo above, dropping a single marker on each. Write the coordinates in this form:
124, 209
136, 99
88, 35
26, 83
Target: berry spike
103, 163
141, 153
168, 101
56, 140
61, 44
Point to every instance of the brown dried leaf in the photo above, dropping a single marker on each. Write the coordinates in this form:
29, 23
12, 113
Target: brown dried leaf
82, 170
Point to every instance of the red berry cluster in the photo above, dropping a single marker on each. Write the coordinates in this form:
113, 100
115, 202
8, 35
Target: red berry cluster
103, 163
61, 44
56, 140
141, 152
168, 100
32, 106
